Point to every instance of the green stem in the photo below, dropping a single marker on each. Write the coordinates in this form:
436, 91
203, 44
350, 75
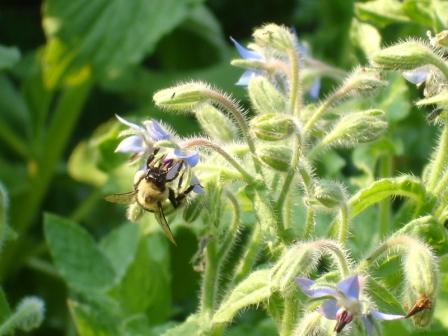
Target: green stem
294, 91
202, 142
86, 206
309, 223
290, 313
384, 207
66, 114
209, 285
323, 108
441, 65
16, 143
440, 159
343, 224
247, 261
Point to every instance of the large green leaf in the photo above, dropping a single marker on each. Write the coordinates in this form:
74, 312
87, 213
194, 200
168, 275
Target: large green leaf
76, 257
9, 56
92, 321
380, 12
107, 35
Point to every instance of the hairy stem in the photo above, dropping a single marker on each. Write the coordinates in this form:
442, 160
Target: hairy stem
343, 224
440, 159
384, 209
202, 142
209, 284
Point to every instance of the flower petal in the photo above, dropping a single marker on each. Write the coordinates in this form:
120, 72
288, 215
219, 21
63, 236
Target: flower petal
305, 285
197, 188
329, 309
191, 158
367, 324
129, 124
418, 75
131, 144
156, 131
245, 53
350, 287
383, 316
245, 77
314, 89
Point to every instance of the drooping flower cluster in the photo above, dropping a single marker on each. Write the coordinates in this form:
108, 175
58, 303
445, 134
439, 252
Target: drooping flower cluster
344, 303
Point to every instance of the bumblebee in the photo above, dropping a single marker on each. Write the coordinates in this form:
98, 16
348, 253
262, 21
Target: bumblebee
151, 188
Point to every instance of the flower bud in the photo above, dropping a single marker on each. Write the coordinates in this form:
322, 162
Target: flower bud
272, 126
265, 98
328, 194
361, 81
404, 56
182, 97
299, 259
29, 314
358, 127
421, 272
215, 123
314, 324
193, 209
274, 36
428, 229
277, 157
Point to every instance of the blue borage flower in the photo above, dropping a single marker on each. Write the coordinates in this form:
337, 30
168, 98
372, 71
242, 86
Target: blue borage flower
140, 141
344, 304
252, 55
418, 75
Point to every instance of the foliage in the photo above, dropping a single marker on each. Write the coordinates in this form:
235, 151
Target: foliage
318, 172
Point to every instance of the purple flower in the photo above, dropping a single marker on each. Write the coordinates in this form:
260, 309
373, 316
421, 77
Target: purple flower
252, 55
418, 75
141, 138
344, 304
247, 55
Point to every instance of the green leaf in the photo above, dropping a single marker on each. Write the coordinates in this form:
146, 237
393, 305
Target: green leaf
4, 206
92, 35
385, 300
120, 247
380, 13
394, 99
430, 231
9, 56
365, 36
145, 286
76, 257
5, 311
419, 11
195, 325
404, 186
92, 321
254, 289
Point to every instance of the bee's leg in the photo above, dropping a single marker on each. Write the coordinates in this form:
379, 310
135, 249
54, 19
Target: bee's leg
177, 200
152, 157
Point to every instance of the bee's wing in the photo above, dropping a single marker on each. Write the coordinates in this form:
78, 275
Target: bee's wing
160, 216
124, 198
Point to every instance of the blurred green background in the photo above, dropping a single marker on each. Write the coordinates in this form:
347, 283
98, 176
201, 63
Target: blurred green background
67, 67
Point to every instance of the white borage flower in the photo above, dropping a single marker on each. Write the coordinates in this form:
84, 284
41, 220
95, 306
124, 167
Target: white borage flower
344, 303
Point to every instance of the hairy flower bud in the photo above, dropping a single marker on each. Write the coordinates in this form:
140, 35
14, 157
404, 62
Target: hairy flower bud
314, 324
272, 126
277, 157
182, 97
32, 311
265, 98
421, 272
328, 194
361, 81
215, 123
274, 36
193, 209
358, 127
439, 40
405, 56
428, 229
